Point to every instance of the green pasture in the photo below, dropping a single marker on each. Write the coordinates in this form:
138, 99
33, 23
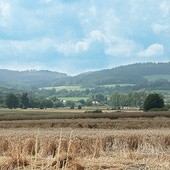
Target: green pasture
74, 99
157, 77
69, 88
114, 85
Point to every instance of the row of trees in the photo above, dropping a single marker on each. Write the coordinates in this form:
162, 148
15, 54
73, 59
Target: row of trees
13, 101
135, 99
140, 99
24, 101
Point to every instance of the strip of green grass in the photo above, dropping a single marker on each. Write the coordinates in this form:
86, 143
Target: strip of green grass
74, 99
68, 88
121, 85
157, 77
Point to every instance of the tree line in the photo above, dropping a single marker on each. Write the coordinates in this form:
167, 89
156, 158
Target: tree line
116, 100
141, 100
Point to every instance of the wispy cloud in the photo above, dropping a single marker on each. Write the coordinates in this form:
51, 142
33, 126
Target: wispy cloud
5, 13
90, 34
153, 50
165, 8
158, 28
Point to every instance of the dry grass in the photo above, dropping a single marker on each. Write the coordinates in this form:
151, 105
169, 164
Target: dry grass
66, 114
84, 149
121, 123
35, 140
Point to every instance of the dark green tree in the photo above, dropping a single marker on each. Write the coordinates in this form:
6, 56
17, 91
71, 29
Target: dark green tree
11, 101
115, 100
100, 98
79, 107
58, 103
25, 101
47, 103
153, 101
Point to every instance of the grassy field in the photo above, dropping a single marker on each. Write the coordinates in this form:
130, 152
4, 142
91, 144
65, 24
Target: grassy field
156, 77
121, 85
74, 99
74, 140
69, 88
79, 88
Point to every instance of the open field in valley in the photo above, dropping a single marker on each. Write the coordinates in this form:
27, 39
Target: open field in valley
157, 77
69, 88
52, 139
74, 99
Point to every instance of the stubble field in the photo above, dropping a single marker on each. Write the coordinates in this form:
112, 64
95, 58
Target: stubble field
77, 143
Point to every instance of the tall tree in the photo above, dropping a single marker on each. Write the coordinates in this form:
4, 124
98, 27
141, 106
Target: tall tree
153, 101
11, 101
25, 100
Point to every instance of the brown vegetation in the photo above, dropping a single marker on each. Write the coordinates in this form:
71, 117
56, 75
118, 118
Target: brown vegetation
39, 115
84, 149
121, 123
118, 141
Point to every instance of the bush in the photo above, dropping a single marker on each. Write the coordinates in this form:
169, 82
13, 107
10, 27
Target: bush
80, 107
159, 109
72, 107
97, 111
94, 111
153, 101
11, 101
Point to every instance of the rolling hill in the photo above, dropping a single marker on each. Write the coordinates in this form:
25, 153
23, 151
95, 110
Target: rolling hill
130, 74
140, 73
28, 79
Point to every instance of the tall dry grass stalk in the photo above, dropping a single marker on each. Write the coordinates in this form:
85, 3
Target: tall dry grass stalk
82, 149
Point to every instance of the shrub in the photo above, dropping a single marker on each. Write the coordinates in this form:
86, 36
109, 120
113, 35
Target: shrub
153, 101
80, 107
72, 107
94, 111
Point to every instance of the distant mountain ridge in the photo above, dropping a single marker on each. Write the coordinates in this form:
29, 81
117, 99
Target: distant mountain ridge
30, 78
128, 74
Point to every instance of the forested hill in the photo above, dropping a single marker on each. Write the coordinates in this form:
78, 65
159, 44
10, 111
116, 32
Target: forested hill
129, 74
27, 79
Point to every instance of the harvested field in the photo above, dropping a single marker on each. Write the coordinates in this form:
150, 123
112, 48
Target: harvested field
43, 140
39, 115
84, 149
121, 123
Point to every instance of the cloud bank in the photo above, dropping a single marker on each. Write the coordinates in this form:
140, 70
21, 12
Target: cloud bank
76, 36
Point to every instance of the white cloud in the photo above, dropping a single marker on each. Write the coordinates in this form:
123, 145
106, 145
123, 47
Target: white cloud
152, 50
80, 46
68, 48
157, 28
17, 48
165, 8
14, 65
97, 35
121, 47
5, 13
93, 11
114, 46
45, 1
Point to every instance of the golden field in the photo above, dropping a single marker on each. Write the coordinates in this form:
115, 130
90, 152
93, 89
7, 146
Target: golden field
86, 144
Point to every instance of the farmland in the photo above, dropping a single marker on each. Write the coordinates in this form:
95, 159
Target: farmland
65, 88
157, 77
74, 99
74, 140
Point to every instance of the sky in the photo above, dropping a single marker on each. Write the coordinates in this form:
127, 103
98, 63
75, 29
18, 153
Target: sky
75, 36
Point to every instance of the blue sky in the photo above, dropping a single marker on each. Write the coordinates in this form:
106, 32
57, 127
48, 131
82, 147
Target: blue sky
75, 36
